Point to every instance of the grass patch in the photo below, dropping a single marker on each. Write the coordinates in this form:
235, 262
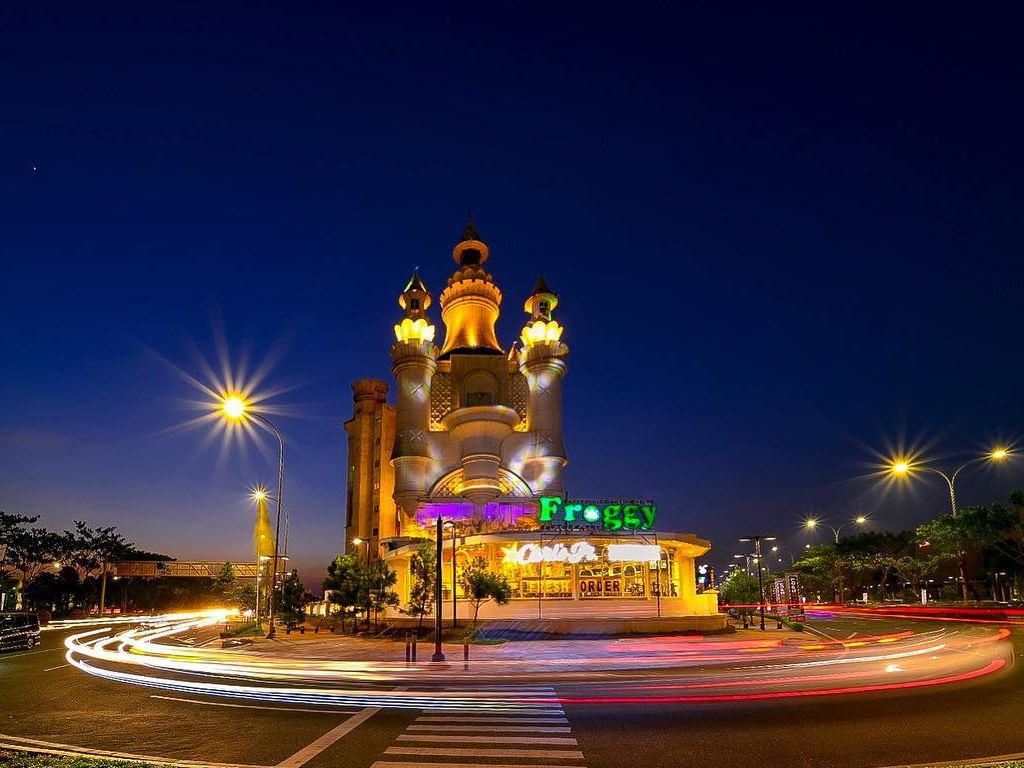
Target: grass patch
245, 630
12, 759
474, 640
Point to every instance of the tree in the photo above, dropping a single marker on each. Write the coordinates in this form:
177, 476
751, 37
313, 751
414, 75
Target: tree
422, 567
482, 586
740, 589
961, 536
225, 584
95, 549
11, 527
822, 569
345, 584
29, 550
244, 596
294, 598
381, 580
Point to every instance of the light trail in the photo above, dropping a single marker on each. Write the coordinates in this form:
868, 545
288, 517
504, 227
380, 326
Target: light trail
695, 669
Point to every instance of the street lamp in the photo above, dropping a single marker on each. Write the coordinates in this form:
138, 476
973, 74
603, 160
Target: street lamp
757, 539
902, 467
234, 408
438, 653
746, 559
358, 542
455, 611
812, 523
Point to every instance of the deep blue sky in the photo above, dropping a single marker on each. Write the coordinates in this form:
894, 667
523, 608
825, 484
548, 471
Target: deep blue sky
783, 237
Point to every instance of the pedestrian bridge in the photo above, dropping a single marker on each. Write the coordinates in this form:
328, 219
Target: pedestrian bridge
156, 569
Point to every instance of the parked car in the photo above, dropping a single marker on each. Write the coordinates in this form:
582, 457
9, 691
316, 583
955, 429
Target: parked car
18, 630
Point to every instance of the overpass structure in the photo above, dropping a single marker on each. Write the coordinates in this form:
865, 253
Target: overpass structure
156, 569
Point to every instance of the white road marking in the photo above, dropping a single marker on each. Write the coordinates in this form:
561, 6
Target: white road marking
245, 706
59, 666
565, 754
70, 750
486, 728
486, 718
418, 764
443, 739
498, 711
29, 653
314, 748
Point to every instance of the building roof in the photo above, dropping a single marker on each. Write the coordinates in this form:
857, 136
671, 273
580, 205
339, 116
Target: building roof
415, 283
469, 232
542, 287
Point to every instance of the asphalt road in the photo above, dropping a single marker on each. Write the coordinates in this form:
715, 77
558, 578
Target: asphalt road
44, 700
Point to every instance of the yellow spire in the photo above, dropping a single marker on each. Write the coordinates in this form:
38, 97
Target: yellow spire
471, 301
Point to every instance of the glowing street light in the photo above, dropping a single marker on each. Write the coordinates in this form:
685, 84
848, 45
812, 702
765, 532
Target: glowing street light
904, 467
812, 523
359, 542
234, 408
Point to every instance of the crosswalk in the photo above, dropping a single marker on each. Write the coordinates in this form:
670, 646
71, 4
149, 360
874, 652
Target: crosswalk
538, 737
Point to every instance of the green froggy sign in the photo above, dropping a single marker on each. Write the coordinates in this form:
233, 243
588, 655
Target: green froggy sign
610, 516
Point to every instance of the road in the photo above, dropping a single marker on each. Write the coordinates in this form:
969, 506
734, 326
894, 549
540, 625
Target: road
43, 699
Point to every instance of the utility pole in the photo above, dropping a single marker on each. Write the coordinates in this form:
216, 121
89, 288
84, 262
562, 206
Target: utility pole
438, 604
757, 539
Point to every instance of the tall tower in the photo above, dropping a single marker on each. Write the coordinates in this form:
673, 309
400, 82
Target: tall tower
369, 507
413, 362
542, 362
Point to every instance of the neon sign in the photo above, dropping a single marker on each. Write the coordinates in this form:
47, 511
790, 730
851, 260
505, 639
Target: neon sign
554, 553
611, 517
634, 553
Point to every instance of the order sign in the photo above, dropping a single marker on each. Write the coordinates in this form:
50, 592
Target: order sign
600, 588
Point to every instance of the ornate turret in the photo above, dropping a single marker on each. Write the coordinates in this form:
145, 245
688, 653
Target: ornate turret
541, 327
413, 357
542, 362
415, 299
471, 301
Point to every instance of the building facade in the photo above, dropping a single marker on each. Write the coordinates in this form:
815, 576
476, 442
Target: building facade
475, 438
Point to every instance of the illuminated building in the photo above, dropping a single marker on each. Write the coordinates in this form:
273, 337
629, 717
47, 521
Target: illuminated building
475, 437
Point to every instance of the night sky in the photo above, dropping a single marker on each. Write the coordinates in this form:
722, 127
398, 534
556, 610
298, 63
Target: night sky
784, 238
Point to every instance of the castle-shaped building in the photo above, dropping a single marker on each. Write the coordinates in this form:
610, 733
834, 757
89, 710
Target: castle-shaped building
475, 438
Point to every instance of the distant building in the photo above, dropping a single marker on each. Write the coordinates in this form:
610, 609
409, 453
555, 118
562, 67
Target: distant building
475, 437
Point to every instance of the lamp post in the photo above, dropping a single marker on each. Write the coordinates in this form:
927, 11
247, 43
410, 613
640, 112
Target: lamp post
812, 523
757, 539
438, 653
358, 542
455, 611
905, 467
746, 559
234, 408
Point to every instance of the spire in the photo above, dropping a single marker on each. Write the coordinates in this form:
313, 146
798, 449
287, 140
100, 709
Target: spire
542, 300
469, 232
415, 283
541, 286
470, 302
470, 251
415, 298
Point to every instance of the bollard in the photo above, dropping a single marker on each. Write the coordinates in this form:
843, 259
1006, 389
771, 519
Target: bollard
465, 654
408, 648
414, 646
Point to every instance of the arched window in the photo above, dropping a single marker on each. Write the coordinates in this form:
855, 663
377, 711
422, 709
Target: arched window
479, 388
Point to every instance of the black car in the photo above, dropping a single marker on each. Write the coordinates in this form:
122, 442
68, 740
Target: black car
18, 630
